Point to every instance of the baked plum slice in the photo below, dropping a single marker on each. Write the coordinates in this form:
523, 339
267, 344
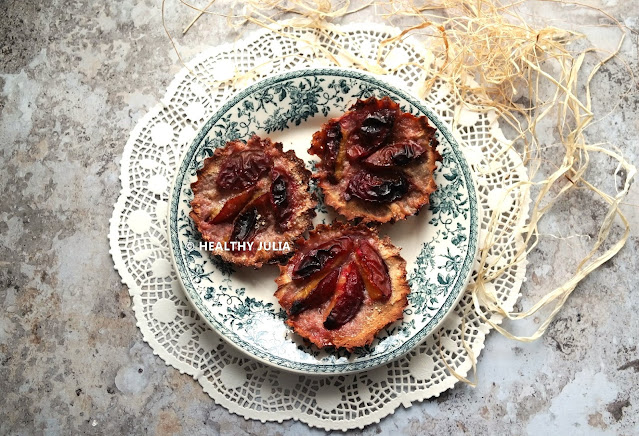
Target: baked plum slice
243, 170
380, 189
374, 271
251, 219
376, 162
322, 257
342, 286
395, 155
315, 292
348, 297
250, 193
233, 206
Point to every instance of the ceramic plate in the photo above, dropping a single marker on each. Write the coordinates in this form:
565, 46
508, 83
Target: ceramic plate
439, 244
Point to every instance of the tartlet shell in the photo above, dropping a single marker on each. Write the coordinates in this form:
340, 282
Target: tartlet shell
374, 315
208, 199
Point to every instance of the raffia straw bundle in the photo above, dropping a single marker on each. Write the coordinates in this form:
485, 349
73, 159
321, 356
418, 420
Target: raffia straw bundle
508, 59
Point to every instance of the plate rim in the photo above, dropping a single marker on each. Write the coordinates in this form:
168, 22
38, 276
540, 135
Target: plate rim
388, 83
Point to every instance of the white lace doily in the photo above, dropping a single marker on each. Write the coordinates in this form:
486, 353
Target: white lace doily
139, 246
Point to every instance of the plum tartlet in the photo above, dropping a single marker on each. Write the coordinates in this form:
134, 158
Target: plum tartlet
376, 162
254, 198
343, 285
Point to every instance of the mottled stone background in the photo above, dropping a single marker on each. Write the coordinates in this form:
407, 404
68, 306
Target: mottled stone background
75, 77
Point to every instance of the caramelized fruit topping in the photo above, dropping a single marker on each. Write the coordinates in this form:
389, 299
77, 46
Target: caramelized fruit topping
348, 297
398, 154
243, 170
377, 189
248, 221
382, 154
315, 295
322, 257
372, 133
245, 225
374, 271
376, 127
342, 268
280, 197
346, 302
252, 190
332, 144
233, 207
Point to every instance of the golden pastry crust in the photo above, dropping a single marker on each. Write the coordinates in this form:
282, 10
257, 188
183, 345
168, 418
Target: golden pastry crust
376, 145
374, 313
246, 174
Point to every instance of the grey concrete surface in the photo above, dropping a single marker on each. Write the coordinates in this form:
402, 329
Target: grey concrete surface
75, 77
